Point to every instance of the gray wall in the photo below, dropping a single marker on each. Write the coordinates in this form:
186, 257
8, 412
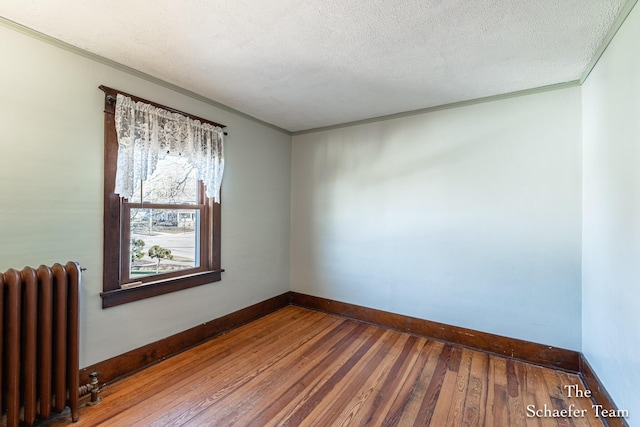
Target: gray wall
468, 216
485, 216
611, 248
51, 180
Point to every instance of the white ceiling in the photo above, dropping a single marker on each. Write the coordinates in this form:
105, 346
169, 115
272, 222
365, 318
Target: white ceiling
307, 64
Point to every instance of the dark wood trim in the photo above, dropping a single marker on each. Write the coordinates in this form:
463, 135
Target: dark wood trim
147, 205
116, 236
135, 360
598, 393
539, 354
111, 93
214, 218
111, 216
120, 296
556, 358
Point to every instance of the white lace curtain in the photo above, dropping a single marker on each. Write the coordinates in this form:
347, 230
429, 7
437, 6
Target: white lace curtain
147, 133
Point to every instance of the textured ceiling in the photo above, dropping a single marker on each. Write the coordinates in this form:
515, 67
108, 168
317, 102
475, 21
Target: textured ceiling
308, 64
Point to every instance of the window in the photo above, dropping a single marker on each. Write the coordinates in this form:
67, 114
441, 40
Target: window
161, 217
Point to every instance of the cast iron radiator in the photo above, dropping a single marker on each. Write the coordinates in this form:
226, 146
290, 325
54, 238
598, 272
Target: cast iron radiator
39, 334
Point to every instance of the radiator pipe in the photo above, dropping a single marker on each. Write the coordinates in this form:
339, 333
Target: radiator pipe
93, 387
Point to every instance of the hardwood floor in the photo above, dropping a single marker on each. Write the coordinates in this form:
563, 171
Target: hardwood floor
298, 367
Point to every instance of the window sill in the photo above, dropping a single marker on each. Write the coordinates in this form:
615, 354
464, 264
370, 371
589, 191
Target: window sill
116, 297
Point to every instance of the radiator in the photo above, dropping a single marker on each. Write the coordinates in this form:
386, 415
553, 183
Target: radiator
39, 329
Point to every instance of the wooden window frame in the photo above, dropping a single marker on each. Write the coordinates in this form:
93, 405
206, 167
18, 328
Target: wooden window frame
116, 227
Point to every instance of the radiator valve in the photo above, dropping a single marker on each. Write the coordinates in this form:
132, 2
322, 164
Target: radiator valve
94, 388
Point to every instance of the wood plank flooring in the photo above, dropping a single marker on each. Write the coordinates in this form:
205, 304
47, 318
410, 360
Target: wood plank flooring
298, 367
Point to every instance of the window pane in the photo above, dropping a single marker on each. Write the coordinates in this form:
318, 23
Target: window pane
173, 181
163, 241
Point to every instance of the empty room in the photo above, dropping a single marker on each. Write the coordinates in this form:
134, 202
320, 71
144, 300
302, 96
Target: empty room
322, 213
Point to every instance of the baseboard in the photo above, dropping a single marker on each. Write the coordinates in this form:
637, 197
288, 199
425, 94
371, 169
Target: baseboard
599, 393
135, 360
551, 357
128, 363
539, 354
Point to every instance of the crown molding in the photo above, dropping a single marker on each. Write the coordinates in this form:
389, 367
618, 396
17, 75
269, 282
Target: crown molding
626, 10
617, 24
558, 86
132, 71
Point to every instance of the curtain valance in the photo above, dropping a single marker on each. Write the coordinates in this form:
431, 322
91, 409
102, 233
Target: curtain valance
147, 133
